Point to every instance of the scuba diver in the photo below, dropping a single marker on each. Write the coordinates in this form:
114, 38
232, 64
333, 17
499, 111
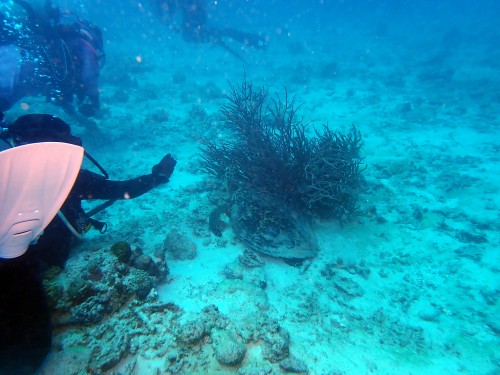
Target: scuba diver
194, 26
42, 185
51, 53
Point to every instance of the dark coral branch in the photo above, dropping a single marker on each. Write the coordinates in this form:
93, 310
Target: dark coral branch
272, 153
333, 173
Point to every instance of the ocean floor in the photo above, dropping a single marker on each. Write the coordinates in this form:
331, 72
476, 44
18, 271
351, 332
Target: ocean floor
411, 286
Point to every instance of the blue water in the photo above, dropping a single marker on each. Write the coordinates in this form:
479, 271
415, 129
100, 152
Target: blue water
419, 79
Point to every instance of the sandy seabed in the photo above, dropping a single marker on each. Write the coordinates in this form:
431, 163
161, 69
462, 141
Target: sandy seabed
409, 287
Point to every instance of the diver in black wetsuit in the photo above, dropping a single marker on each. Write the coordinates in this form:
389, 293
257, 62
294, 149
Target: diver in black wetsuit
194, 27
25, 329
47, 52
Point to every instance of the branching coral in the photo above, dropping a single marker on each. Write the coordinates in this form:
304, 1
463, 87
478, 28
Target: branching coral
333, 173
272, 153
277, 176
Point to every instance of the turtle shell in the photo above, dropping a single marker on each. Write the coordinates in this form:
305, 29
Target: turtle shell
267, 225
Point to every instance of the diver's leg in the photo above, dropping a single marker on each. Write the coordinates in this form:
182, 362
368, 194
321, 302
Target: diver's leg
248, 39
25, 329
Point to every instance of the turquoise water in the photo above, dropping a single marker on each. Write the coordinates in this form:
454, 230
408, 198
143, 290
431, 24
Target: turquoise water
409, 286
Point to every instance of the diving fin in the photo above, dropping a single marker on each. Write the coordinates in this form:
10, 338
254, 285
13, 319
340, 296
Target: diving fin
35, 180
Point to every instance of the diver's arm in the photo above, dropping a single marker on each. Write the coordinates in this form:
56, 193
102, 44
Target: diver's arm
90, 185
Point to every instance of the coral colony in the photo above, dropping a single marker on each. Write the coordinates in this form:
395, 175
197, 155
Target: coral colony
277, 176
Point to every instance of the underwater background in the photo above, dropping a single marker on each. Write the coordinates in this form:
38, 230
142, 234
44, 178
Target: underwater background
410, 285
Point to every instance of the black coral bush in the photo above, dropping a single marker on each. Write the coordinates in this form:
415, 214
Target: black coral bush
271, 153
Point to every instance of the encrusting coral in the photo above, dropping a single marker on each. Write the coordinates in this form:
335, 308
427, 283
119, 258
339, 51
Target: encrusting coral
122, 251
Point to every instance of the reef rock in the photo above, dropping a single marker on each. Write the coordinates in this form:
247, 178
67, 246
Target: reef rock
178, 246
192, 331
293, 365
228, 349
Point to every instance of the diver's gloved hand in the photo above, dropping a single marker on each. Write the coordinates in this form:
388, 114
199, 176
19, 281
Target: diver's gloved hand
164, 168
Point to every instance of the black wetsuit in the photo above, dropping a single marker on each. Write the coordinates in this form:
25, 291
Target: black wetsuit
25, 329
56, 242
